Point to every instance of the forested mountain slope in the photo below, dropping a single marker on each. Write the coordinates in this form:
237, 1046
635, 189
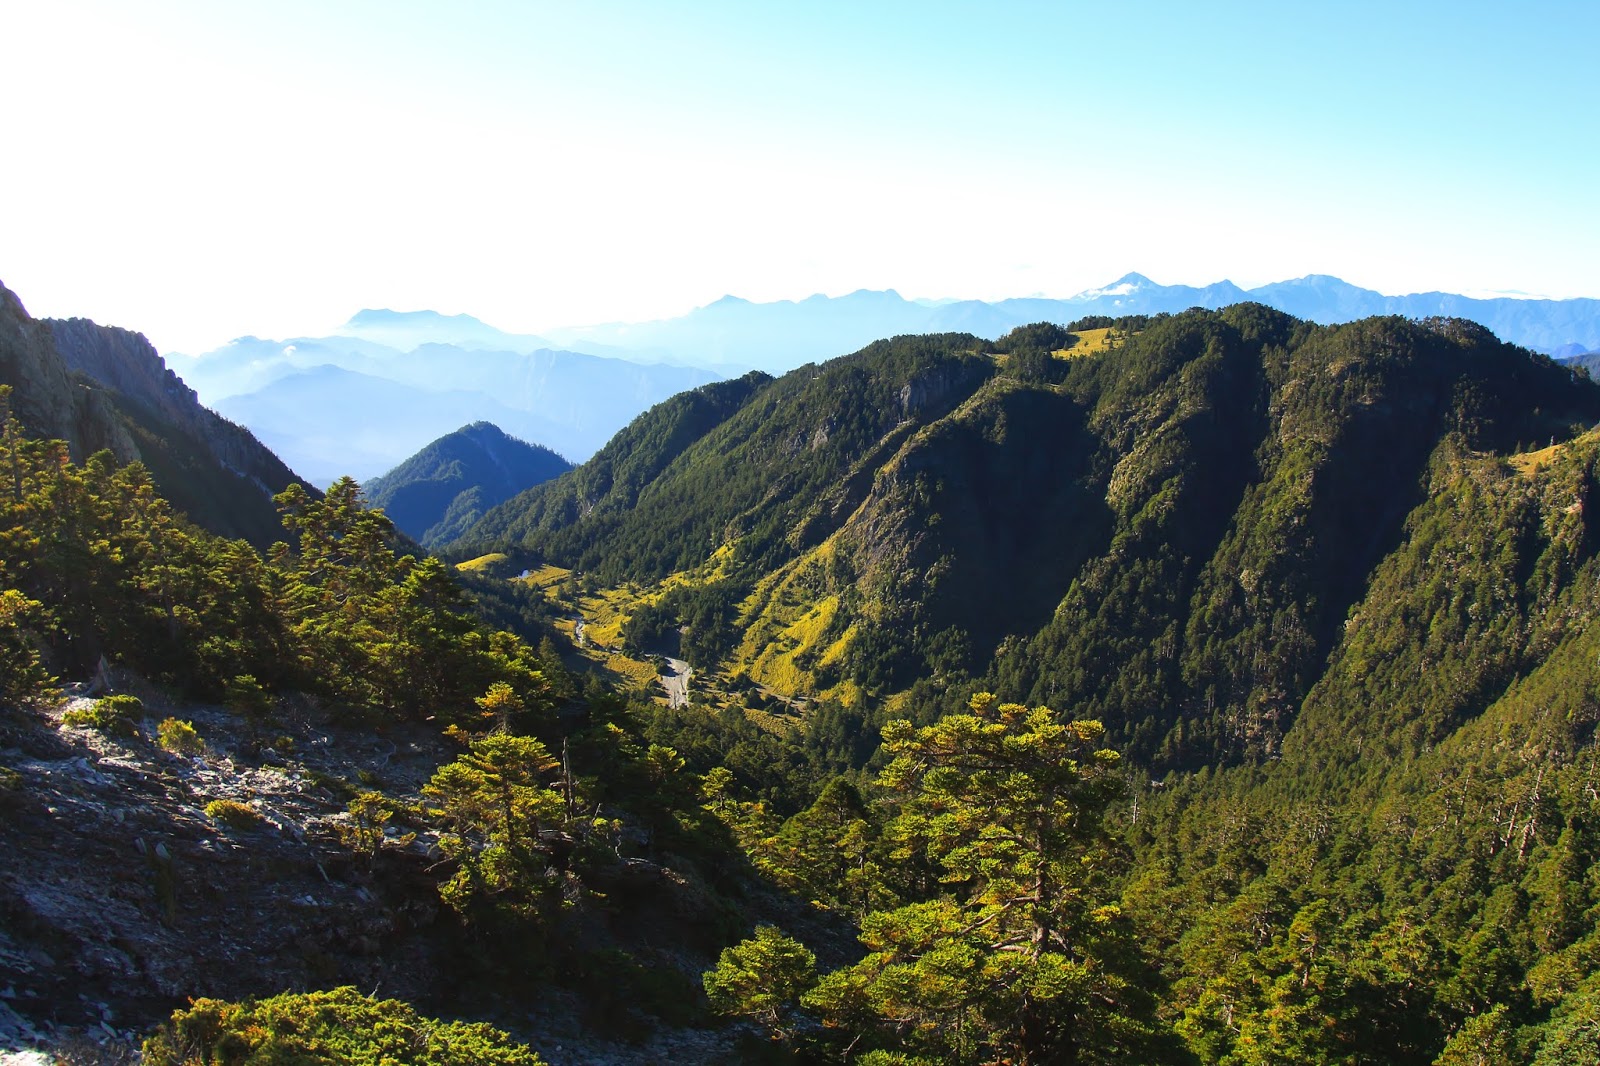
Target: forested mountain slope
1167, 535
762, 465
1332, 590
440, 492
1417, 871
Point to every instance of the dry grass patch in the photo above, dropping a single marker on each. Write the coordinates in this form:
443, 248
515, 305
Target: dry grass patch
778, 724
1090, 342
482, 563
631, 673
545, 578
1529, 463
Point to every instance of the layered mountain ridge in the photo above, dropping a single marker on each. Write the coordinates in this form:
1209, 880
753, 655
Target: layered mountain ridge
781, 335
352, 404
361, 399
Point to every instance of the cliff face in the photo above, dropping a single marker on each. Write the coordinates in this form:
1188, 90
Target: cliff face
101, 387
123, 360
46, 398
127, 363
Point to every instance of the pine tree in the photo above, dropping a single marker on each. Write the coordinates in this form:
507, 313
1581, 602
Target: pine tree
1018, 958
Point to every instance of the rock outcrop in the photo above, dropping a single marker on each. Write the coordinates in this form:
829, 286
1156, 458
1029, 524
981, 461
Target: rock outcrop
99, 387
205, 445
121, 897
46, 397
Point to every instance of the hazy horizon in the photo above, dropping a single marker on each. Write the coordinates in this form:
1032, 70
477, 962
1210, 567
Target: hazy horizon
338, 326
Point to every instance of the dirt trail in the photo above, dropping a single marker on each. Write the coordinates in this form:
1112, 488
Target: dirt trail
677, 682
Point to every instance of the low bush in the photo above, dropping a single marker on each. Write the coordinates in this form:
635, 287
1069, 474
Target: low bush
341, 1027
179, 737
233, 814
116, 716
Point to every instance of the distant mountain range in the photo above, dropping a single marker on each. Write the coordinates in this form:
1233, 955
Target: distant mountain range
1588, 362
439, 493
775, 337
408, 330
360, 401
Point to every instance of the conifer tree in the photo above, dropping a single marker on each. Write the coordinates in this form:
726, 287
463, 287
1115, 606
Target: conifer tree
1017, 958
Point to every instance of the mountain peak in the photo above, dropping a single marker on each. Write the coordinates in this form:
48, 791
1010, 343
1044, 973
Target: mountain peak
409, 330
383, 317
1318, 281
448, 485
1126, 285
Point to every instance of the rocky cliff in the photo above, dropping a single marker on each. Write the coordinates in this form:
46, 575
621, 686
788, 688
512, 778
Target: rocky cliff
101, 387
45, 397
192, 437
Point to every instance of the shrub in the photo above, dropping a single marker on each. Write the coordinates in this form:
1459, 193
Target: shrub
23, 678
337, 786
179, 737
761, 978
246, 698
117, 716
233, 814
370, 813
323, 1029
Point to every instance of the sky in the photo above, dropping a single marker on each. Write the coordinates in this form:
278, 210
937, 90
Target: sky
204, 169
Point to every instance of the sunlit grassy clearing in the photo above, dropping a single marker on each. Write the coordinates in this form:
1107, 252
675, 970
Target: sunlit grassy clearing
545, 577
776, 664
1528, 463
1090, 342
482, 563
633, 673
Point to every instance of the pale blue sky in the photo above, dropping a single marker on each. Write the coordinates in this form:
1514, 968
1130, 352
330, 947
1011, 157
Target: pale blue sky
200, 170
